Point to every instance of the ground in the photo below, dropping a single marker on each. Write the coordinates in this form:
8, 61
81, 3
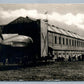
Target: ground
58, 71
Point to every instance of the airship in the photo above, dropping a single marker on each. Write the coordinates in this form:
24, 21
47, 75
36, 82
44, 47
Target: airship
15, 48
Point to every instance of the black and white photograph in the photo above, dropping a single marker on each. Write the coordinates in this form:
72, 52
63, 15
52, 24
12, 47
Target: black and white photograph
41, 42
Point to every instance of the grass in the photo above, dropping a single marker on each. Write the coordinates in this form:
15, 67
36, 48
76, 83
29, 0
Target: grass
58, 71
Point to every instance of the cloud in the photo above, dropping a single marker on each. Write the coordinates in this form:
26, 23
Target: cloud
68, 18
8, 15
21, 12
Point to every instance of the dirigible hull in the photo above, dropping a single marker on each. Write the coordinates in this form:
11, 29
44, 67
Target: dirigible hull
15, 47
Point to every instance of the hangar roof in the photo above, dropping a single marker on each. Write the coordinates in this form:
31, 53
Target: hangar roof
21, 20
52, 28
63, 31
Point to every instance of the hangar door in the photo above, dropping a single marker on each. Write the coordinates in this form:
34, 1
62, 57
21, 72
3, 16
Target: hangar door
44, 39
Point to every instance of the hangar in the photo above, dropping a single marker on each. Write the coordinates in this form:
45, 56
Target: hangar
36, 29
49, 41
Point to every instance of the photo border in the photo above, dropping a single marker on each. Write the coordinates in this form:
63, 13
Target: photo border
40, 2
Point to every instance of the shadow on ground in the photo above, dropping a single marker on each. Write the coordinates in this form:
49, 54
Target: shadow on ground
16, 66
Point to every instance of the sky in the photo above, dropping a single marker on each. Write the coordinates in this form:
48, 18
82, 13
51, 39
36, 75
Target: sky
41, 1
67, 16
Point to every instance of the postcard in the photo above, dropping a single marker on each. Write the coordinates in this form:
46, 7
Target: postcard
42, 42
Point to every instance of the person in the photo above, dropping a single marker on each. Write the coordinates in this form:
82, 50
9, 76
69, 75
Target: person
69, 59
4, 61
